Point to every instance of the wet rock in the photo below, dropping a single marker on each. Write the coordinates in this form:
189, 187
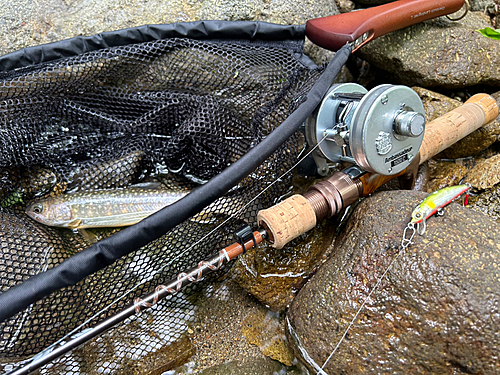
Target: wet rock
436, 309
273, 276
438, 53
266, 330
217, 331
442, 174
422, 178
485, 174
480, 5
487, 202
437, 105
256, 366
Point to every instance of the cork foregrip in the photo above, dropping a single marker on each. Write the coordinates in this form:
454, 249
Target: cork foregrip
287, 220
446, 130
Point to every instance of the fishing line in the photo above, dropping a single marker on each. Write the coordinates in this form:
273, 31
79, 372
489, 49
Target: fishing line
404, 244
160, 270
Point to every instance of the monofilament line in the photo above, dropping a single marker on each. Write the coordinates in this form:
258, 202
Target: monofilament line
161, 269
361, 307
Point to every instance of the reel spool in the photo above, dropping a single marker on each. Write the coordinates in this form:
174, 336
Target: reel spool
380, 130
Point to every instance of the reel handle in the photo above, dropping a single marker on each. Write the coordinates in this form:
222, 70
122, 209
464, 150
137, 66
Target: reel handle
361, 26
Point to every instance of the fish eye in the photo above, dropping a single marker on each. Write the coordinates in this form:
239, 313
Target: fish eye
37, 208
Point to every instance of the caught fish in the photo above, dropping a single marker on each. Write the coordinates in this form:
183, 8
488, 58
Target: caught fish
435, 202
103, 208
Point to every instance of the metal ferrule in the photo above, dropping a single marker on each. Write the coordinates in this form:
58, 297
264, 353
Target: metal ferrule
329, 196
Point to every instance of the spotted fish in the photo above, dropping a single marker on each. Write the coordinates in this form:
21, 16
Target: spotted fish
103, 208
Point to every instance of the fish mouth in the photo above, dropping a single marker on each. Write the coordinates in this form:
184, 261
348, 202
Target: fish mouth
34, 216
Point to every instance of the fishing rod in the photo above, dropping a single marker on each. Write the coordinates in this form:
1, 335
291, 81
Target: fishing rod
297, 214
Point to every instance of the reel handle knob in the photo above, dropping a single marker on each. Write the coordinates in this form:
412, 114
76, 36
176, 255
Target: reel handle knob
409, 124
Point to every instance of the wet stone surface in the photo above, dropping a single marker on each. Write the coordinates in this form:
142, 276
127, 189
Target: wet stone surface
487, 202
438, 53
485, 174
266, 330
443, 174
274, 276
253, 366
436, 311
234, 334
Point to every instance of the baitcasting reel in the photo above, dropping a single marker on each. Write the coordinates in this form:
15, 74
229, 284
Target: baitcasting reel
380, 130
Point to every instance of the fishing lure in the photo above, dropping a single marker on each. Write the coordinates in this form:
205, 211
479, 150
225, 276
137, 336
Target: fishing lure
434, 203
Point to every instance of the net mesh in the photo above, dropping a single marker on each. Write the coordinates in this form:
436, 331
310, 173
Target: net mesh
176, 111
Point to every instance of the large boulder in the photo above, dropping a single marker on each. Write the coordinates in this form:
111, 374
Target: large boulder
438, 53
436, 309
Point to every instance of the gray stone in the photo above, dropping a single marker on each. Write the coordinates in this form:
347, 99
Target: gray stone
438, 53
436, 309
485, 174
27, 23
475, 5
257, 366
372, 2
345, 5
481, 5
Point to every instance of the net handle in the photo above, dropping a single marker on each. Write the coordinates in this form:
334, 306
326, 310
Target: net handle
335, 31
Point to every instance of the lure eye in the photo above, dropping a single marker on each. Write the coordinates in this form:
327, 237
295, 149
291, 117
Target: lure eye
38, 208
418, 215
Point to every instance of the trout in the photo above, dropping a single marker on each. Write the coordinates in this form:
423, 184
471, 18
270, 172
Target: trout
103, 208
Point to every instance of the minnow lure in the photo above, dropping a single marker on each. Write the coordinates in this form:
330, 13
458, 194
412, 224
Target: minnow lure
434, 203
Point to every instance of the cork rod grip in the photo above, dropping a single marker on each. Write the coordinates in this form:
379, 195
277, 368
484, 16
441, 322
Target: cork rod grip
287, 220
444, 131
